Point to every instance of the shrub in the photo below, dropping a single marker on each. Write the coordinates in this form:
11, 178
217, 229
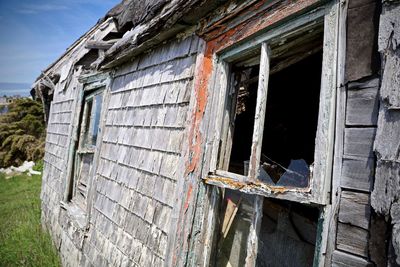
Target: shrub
22, 133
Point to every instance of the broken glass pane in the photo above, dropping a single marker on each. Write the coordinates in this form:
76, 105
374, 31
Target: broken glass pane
291, 124
92, 119
96, 120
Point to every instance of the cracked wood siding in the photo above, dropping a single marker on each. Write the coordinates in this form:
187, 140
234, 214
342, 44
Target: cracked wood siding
62, 122
354, 230
141, 157
385, 195
59, 132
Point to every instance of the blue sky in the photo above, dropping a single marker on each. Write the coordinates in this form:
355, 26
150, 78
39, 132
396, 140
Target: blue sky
33, 34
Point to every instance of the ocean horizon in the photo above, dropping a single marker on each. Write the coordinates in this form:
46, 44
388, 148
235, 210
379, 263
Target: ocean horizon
14, 89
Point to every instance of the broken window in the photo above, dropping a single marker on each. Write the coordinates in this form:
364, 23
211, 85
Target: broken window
89, 128
287, 233
273, 147
287, 152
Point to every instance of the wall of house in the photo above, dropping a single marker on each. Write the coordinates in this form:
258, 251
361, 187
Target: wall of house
58, 139
136, 202
139, 166
360, 234
386, 193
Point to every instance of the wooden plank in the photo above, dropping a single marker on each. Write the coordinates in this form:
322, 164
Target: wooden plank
364, 84
361, 60
358, 174
342, 259
231, 175
252, 242
99, 44
259, 117
358, 142
230, 213
256, 146
352, 239
355, 209
273, 34
362, 107
325, 136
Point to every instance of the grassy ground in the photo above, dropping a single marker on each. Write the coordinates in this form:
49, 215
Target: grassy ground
22, 240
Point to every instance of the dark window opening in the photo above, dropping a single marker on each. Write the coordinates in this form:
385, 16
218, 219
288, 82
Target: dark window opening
290, 123
89, 58
246, 98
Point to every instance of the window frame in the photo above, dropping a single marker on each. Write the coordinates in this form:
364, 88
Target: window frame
318, 192
83, 148
87, 84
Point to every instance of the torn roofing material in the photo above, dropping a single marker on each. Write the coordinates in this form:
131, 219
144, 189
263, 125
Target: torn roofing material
130, 13
152, 22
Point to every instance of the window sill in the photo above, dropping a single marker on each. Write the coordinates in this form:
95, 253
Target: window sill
258, 188
75, 213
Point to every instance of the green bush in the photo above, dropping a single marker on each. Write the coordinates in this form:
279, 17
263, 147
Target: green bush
38, 166
22, 133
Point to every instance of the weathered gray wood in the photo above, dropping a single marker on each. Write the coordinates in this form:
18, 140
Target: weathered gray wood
387, 186
253, 238
358, 142
378, 236
358, 173
230, 175
328, 242
362, 58
362, 107
355, 209
342, 259
387, 143
352, 239
298, 24
104, 45
259, 117
256, 146
363, 84
324, 141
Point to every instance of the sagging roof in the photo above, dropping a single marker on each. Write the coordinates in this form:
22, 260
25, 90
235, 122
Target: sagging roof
142, 24
152, 22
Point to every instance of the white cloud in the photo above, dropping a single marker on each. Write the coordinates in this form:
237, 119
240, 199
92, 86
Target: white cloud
35, 9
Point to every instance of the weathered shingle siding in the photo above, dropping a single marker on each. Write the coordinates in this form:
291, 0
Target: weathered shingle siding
385, 198
354, 242
62, 113
140, 160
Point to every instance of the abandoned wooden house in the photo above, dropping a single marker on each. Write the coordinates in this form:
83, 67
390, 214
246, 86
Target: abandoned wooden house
227, 133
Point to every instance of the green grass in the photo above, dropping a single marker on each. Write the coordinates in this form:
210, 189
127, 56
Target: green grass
22, 240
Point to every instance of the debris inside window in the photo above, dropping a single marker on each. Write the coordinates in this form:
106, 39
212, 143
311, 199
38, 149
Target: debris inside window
237, 209
287, 234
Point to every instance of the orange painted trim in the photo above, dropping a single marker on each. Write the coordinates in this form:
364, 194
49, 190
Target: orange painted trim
203, 75
261, 21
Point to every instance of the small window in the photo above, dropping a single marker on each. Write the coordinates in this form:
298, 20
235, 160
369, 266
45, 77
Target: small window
89, 129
